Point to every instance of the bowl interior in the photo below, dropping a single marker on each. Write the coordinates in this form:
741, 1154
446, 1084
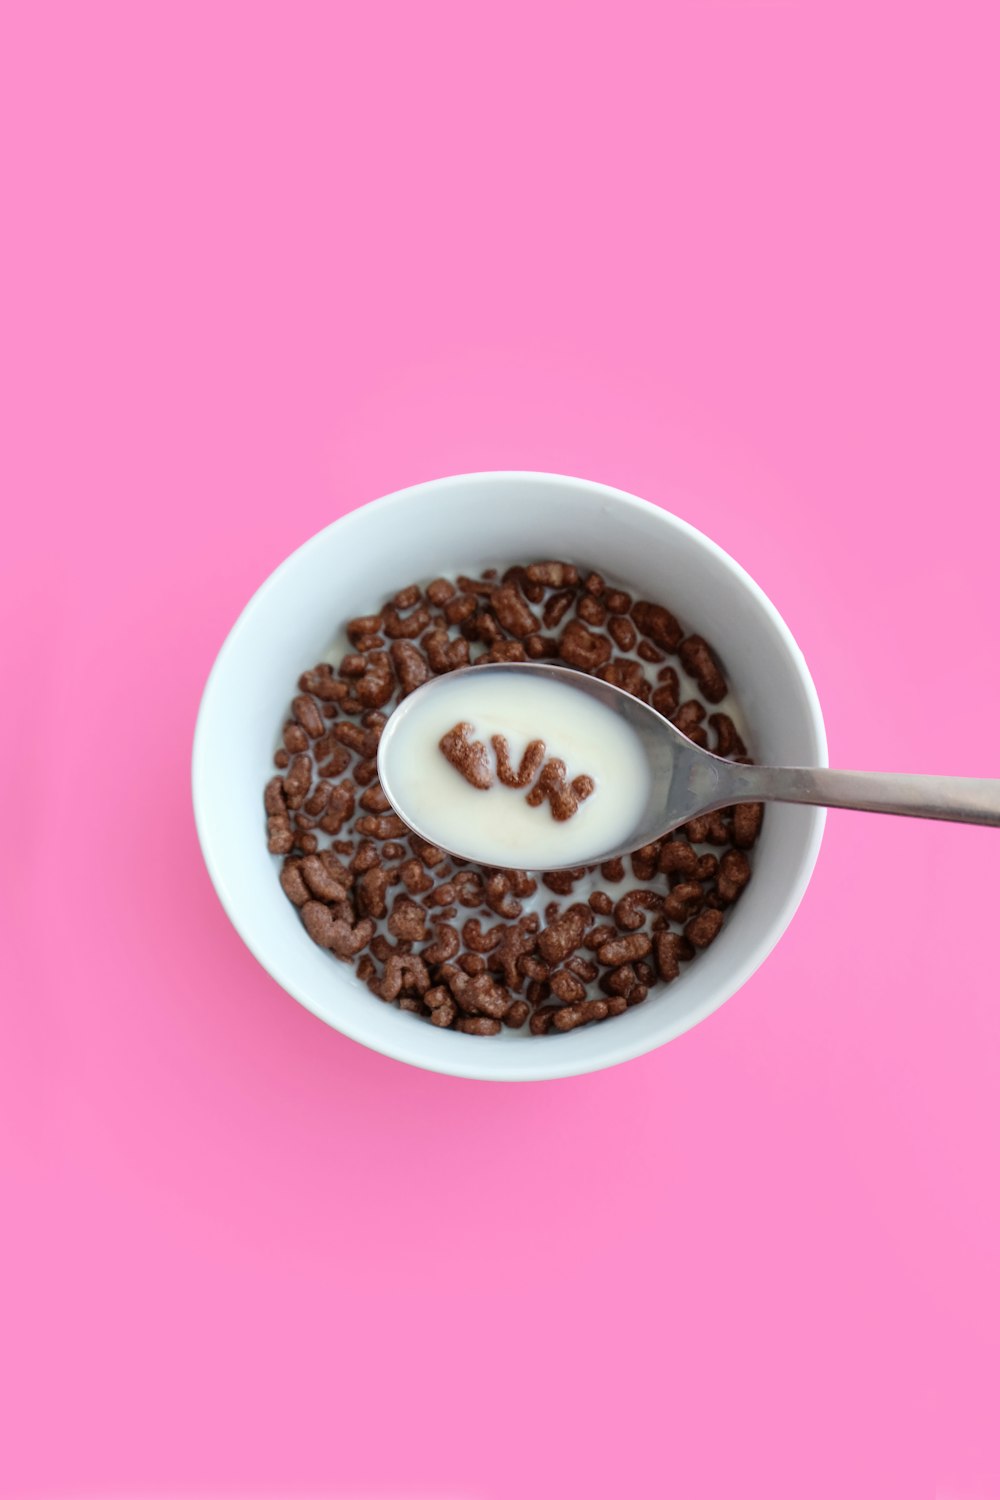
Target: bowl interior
467, 523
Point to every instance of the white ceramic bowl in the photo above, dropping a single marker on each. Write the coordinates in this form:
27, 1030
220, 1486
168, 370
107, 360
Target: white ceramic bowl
466, 523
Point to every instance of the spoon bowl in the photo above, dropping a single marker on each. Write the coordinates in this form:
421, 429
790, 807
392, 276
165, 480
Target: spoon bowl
684, 779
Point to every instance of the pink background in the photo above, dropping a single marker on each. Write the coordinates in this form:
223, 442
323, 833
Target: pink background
264, 264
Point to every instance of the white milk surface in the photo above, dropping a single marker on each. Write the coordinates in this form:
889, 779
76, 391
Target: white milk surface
497, 826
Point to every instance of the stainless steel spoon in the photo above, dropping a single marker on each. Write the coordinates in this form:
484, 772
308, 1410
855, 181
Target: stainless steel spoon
686, 780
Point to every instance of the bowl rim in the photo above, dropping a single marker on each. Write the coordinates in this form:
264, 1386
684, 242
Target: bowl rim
548, 1065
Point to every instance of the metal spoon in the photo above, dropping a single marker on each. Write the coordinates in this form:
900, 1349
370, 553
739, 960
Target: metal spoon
686, 780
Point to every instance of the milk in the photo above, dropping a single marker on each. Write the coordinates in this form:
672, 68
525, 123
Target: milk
497, 826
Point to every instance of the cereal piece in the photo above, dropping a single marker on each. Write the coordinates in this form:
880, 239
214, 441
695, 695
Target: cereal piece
564, 797
734, 874
630, 911
306, 711
335, 933
747, 819
727, 739
627, 675
622, 632
482, 626
416, 879
318, 800
375, 688
541, 647
515, 943
601, 903
274, 797
468, 756
374, 800
625, 950
371, 891
621, 981
399, 628
591, 611
292, 883
581, 648
684, 901
649, 652
531, 761
332, 758
613, 870
563, 881
541, 1021
572, 1016
404, 971
388, 826
676, 857
479, 941
298, 780
366, 858
474, 585
688, 720
469, 888
407, 598
294, 738
567, 988
666, 695
697, 659
280, 838
321, 683
460, 609
562, 936
499, 896
408, 920
703, 929
428, 854
361, 741
556, 606
363, 625
503, 651
320, 881
645, 860
439, 592
509, 606
657, 624
554, 575
410, 666
444, 653
480, 994
477, 1025
446, 944
339, 808
517, 1015
617, 601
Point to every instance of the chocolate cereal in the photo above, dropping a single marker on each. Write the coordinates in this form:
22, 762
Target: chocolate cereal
475, 949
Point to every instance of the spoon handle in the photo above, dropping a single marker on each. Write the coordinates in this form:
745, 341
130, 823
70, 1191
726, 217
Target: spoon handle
956, 799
